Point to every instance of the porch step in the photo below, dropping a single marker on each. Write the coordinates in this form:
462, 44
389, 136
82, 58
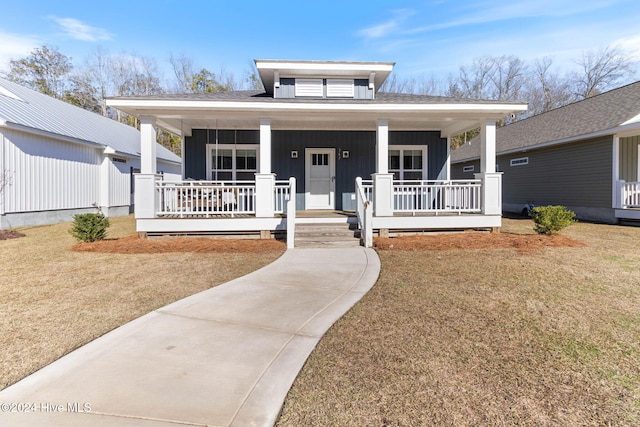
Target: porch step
327, 235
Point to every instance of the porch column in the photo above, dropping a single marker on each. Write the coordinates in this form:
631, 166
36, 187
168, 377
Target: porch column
382, 146
145, 194
147, 146
490, 179
617, 185
265, 146
265, 186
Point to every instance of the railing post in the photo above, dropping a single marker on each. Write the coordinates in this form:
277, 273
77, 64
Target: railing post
368, 224
291, 214
265, 184
146, 196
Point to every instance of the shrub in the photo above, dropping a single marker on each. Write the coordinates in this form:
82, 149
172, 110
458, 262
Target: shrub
89, 227
551, 219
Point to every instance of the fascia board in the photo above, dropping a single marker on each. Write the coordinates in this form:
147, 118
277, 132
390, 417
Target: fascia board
140, 105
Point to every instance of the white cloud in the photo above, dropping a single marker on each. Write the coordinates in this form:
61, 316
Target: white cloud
631, 45
389, 27
15, 46
78, 30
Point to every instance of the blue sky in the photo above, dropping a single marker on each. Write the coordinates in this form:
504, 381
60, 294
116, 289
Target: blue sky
422, 37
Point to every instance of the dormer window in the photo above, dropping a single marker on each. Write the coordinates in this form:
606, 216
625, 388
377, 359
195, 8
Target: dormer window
340, 88
309, 87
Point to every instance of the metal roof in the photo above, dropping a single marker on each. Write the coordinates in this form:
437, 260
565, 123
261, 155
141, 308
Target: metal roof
607, 113
26, 109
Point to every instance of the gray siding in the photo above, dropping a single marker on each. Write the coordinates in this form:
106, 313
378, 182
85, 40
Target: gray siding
458, 173
287, 89
577, 175
629, 158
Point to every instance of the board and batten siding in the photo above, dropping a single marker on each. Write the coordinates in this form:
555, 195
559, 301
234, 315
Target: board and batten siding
629, 159
361, 89
48, 174
195, 147
575, 175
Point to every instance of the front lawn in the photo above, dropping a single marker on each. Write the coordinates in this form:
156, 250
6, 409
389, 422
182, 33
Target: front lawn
492, 336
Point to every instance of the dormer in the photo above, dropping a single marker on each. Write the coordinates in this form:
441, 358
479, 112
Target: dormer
322, 79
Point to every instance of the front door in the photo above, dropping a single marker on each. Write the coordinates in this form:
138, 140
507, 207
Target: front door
320, 178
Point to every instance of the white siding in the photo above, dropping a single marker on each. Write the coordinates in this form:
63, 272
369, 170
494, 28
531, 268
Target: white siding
48, 174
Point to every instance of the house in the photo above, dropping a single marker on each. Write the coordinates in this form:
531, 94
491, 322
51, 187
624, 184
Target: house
57, 160
583, 156
319, 137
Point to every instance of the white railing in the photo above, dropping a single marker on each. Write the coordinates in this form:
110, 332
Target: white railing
630, 195
364, 210
457, 196
282, 191
205, 198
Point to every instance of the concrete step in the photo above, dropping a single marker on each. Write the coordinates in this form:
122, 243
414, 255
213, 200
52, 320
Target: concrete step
326, 235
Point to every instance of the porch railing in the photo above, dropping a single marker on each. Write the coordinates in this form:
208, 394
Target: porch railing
282, 191
630, 195
205, 198
456, 196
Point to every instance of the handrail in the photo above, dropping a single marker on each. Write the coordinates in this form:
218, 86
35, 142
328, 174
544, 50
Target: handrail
446, 196
364, 210
206, 198
630, 194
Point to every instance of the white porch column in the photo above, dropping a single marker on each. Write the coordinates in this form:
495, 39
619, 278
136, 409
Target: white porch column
490, 179
488, 147
265, 185
147, 146
382, 146
382, 194
145, 193
617, 185
265, 146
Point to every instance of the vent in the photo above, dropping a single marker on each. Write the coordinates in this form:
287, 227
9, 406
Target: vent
340, 88
309, 87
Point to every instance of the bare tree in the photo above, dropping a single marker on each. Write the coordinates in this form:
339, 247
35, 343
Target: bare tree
601, 70
44, 70
546, 90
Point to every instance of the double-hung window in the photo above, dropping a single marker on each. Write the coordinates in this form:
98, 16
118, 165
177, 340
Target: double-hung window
408, 162
230, 162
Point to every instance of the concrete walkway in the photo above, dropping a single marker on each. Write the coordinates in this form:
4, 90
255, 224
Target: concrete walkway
224, 357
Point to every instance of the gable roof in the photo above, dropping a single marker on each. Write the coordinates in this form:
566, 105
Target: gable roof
604, 114
26, 109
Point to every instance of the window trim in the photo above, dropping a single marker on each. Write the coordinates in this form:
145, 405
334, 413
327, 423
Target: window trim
234, 148
520, 161
402, 149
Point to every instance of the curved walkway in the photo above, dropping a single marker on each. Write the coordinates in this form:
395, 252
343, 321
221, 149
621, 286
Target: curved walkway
225, 356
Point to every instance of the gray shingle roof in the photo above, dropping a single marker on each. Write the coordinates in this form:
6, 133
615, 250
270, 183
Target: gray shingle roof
44, 113
600, 113
261, 96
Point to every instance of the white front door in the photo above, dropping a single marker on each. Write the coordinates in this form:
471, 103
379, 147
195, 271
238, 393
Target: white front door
320, 178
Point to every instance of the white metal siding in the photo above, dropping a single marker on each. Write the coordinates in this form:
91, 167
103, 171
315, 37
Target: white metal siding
120, 183
48, 174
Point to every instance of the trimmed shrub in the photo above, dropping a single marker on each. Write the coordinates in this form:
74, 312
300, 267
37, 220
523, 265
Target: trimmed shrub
551, 219
89, 227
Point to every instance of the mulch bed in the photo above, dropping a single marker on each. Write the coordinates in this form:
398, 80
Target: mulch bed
9, 234
135, 245
522, 243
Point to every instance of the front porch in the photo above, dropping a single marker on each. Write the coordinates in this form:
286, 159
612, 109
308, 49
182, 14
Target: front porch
266, 206
628, 202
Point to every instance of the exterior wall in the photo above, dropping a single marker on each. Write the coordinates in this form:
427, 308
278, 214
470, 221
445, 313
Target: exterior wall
48, 174
576, 175
457, 170
629, 159
287, 89
360, 144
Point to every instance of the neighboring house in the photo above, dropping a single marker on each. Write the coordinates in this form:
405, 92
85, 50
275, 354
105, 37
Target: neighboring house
57, 160
306, 139
583, 156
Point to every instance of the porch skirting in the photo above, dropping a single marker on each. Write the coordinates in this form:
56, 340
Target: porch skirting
210, 225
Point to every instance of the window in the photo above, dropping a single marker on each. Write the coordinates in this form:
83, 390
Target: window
407, 162
309, 87
319, 159
232, 162
340, 88
469, 168
519, 161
